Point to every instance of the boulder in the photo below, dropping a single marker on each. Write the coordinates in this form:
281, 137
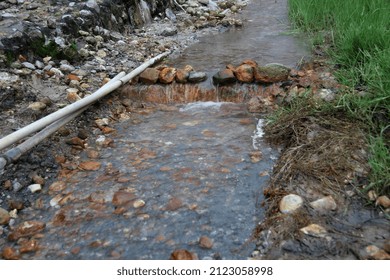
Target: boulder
197, 77
182, 76
224, 77
271, 73
149, 76
244, 73
167, 75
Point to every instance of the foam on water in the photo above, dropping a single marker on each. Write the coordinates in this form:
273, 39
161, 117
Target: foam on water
199, 106
258, 134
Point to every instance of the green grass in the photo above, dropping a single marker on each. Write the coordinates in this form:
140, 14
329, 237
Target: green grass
356, 35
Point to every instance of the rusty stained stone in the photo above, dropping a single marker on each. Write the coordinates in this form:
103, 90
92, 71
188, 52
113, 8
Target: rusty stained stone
26, 229
205, 242
174, 204
4, 216
10, 253
149, 76
244, 73
123, 197
93, 154
15, 204
182, 254
29, 246
256, 156
57, 187
75, 141
182, 76
90, 165
167, 75
250, 62
271, 73
107, 130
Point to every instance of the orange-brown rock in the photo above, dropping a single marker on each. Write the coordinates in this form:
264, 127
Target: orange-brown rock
167, 75
205, 242
4, 216
244, 73
57, 187
27, 229
10, 253
149, 76
29, 246
75, 141
182, 76
90, 165
271, 73
250, 62
183, 254
122, 197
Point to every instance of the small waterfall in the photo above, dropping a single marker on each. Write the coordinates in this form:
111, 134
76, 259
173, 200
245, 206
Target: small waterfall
144, 11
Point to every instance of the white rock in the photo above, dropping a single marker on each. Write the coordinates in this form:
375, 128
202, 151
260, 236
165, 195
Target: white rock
67, 68
290, 203
324, 204
314, 230
29, 65
13, 214
37, 106
35, 188
138, 203
39, 64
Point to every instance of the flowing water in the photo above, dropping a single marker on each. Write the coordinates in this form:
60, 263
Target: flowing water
176, 175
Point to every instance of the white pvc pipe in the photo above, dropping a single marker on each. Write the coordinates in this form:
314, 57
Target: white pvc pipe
38, 125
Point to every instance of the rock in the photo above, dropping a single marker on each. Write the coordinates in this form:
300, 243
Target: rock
271, 73
29, 246
169, 31
16, 186
182, 254
244, 73
167, 75
149, 76
72, 95
205, 242
290, 203
37, 106
4, 216
173, 204
67, 68
324, 204
314, 230
75, 141
15, 204
138, 203
27, 229
90, 165
182, 76
38, 179
197, 77
372, 196
224, 77
35, 188
383, 201
10, 253
122, 197
256, 156
373, 252
29, 65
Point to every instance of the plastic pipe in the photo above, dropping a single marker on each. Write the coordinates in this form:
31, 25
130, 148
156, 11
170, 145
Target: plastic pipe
38, 125
15, 153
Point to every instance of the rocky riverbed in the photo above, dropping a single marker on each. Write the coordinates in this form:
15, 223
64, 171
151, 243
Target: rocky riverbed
48, 64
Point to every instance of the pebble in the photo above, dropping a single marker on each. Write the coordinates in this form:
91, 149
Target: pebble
324, 204
4, 216
37, 106
182, 254
57, 187
290, 203
205, 242
38, 179
196, 77
35, 188
373, 252
174, 204
122, 197
138, 203
90, 165
383, 201
29, 65
314, 230
66, 68
10, 253
26, 229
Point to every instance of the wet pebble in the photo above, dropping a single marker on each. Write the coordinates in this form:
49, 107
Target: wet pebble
290, 203
373, 252
4, 216
383, 201
57, 187
90, 165
174, 204
182, 254
138, 203
27, 229
205, 242
38, 180
10, 253
37, 106
122, 197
